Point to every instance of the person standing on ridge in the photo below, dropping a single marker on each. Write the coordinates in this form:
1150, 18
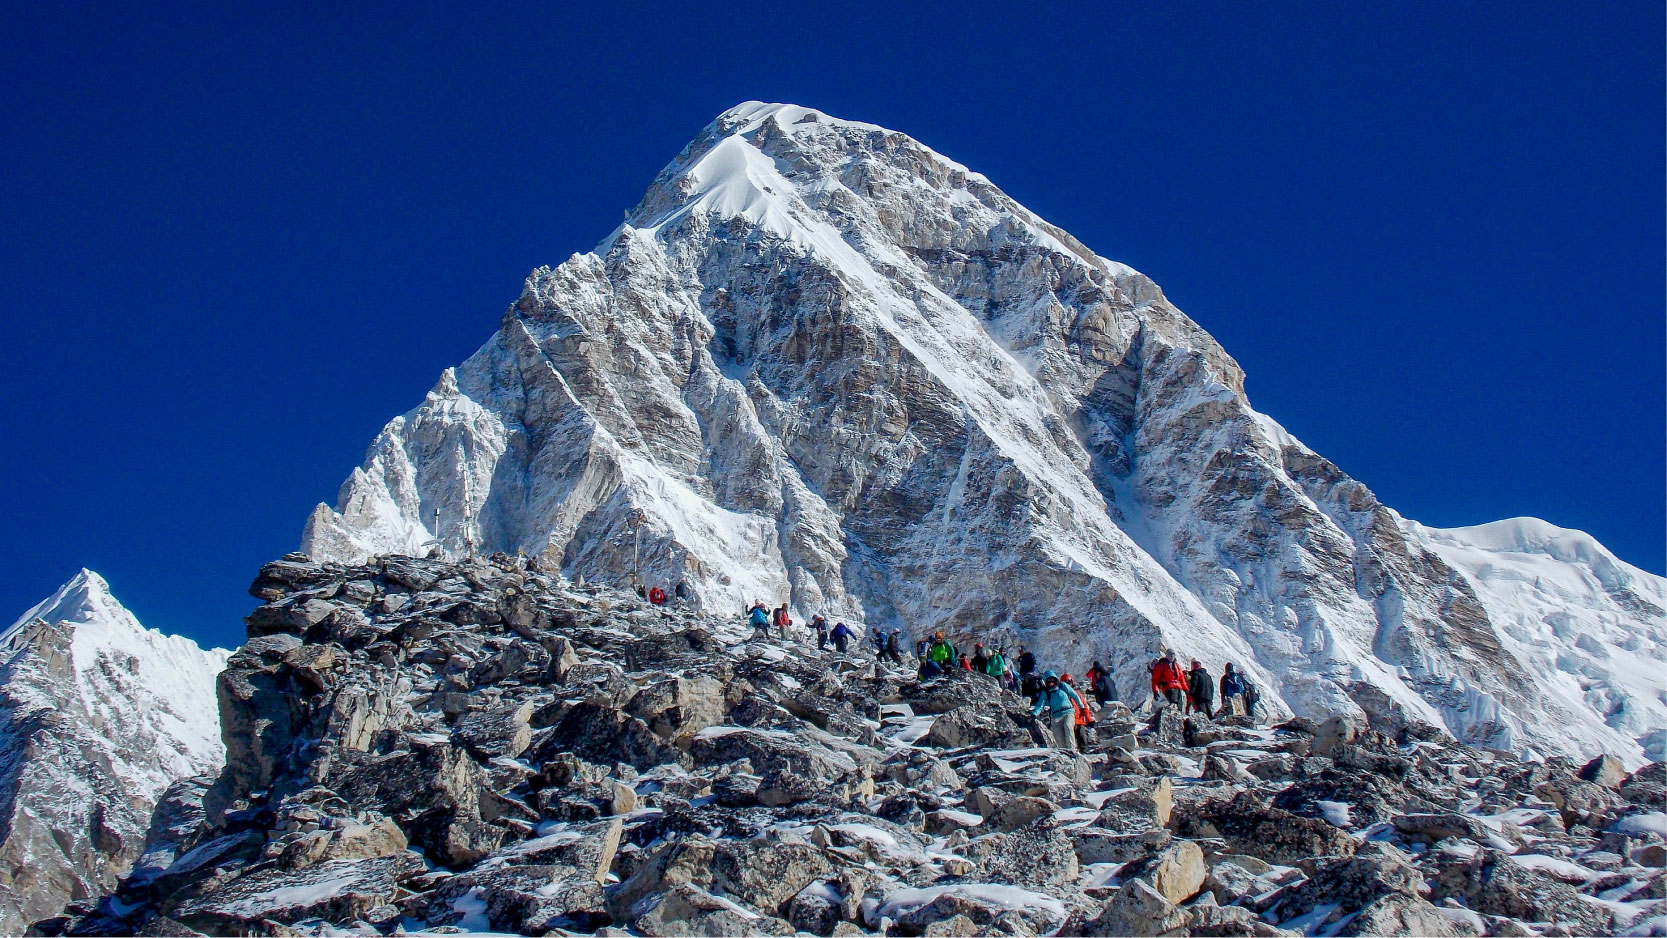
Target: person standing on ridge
1201, 690
1030, 685
1027, 661
997, 666
1084, 723
1252, 696
819, 624
781, 620
1169, 682
980, 660
1095, 672
894, 646
1057, 704
1232, 692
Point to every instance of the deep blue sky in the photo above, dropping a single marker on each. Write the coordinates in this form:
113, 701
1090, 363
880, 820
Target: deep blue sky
233, 244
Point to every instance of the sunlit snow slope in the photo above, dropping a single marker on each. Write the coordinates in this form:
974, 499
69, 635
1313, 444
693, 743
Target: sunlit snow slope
97, 716
820, 361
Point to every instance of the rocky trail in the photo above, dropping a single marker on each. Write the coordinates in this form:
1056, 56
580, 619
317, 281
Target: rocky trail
419, 745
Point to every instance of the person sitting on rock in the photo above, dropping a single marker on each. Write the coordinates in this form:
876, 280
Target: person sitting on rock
942, 653
1169, 682
1057, 705
966, 663
841, 636
929, 669
980, 660
1232, 692
657, 596
1201, 689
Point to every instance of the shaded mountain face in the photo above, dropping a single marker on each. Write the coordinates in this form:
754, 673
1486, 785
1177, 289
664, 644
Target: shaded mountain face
98, 715
822, 363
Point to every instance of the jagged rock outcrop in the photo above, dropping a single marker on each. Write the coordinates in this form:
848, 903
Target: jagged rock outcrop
484, 746
98, 716
821, 361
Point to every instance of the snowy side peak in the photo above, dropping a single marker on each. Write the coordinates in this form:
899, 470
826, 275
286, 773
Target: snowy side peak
85, 597
1565, 545
98, 715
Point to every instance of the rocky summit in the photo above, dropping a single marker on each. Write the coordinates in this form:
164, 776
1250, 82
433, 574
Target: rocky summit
416, 744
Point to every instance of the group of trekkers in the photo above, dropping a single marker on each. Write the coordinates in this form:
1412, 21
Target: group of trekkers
1194, 690
1067, 716
763, 619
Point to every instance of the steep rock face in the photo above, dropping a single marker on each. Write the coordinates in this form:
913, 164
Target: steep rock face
98, 715
821, 361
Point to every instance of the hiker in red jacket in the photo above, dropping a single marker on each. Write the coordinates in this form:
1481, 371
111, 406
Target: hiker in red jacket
1169, 681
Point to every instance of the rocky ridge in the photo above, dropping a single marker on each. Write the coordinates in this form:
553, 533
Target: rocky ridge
821, 361
416, 744
98, 715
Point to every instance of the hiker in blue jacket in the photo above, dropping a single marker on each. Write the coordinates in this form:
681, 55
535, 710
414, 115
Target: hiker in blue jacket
841, 636
1057, 705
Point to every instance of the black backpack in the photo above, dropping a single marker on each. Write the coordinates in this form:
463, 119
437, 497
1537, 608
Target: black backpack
1251, 696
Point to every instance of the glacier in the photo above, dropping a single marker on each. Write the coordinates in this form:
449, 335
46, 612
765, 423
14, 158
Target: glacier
820, 362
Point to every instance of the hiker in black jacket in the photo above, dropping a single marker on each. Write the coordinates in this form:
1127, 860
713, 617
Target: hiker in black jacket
1201, 690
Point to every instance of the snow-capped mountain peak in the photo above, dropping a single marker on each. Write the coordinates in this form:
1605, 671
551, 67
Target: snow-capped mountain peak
820, 362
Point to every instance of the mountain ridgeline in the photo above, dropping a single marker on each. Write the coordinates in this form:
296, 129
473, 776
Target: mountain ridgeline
821, 362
